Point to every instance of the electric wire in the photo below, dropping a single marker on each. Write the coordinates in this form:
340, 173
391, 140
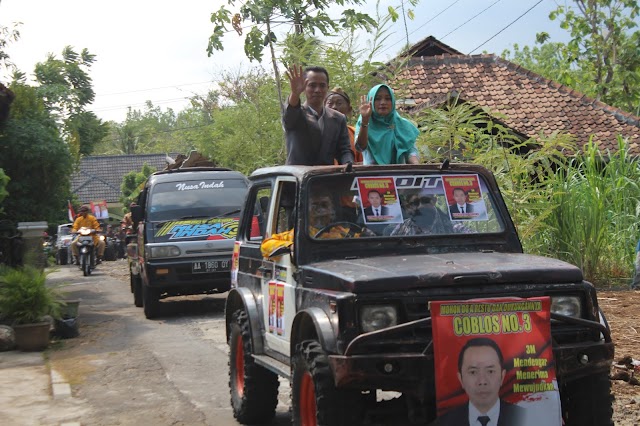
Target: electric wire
470, 19
511, 23
421, 26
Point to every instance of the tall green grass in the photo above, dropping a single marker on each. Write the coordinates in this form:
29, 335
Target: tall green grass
594, 223
578, 205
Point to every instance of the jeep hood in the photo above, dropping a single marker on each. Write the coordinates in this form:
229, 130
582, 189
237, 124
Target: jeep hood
402, 272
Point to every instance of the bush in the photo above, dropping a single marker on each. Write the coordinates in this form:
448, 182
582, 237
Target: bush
24, 296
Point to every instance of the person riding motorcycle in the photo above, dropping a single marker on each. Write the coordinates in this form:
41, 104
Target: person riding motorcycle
87, 220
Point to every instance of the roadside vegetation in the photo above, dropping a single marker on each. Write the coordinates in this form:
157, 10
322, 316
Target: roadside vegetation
578, 205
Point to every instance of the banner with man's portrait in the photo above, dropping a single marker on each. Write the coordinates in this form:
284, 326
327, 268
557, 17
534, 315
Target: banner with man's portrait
494, 358
99, 209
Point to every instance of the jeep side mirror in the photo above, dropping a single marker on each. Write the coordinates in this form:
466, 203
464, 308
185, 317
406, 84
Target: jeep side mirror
136, 213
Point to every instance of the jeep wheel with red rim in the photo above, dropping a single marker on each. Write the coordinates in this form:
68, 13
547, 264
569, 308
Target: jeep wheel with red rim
315, 399
254, 389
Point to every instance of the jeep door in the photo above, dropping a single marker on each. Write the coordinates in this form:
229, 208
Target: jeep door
277, 283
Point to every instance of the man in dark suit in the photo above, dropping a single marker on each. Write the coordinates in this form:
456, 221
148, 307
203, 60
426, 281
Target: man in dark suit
460, 206
376, 209
481, 372
315, 135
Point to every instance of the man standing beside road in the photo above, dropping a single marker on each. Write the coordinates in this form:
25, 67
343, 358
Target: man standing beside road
315, 135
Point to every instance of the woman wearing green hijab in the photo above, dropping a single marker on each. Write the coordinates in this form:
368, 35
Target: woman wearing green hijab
383, 136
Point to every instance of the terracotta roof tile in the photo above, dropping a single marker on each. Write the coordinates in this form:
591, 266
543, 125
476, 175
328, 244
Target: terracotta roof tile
99, 177
530, 102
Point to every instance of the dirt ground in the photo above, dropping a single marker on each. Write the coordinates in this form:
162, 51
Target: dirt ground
622, 310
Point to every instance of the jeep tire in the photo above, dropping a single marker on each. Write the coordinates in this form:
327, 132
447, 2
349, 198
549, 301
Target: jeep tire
150, 301
136, 289
315, 399
588, 401
254, 389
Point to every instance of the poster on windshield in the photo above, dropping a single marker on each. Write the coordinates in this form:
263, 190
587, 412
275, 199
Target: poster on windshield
464, 197
379, 200
493, 358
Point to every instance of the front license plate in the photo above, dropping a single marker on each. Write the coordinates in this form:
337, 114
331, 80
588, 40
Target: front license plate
209, 266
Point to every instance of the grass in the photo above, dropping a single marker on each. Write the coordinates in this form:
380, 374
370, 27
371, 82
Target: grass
578, 205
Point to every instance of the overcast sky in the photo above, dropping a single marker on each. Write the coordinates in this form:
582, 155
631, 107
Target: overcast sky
156, 49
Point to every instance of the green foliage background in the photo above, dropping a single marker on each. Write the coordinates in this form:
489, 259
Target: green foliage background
580, 206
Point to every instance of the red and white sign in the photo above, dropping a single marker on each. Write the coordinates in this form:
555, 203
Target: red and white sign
514, 331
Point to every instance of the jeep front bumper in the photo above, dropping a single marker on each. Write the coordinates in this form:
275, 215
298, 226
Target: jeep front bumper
413, 373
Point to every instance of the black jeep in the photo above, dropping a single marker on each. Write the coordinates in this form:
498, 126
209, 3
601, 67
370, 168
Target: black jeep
333, 273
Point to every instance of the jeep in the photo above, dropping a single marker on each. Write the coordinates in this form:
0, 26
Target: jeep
341, 306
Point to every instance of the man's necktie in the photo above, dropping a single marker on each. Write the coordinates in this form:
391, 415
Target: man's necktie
484, 420
377, 212
462, 211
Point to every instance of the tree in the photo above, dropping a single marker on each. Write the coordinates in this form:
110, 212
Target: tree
88, 129
132, 183
66, 88
307, 17
34, 156
249, 98
7, 36
4, 180
604, 46
551, 60
144, 131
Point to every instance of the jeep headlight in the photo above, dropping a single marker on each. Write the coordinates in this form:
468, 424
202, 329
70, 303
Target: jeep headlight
377, 317
566, 305
163, 251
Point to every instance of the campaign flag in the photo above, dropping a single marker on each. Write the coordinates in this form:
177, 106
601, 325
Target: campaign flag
519, 332
70, 212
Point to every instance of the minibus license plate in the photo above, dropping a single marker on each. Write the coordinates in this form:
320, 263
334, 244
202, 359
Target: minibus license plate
209, 266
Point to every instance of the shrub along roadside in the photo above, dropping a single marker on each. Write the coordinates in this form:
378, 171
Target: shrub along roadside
582, 208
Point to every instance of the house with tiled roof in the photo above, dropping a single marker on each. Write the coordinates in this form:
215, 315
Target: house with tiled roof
99, 177
524, 101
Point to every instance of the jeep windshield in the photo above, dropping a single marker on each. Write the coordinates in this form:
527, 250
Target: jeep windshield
400, 205
195, 199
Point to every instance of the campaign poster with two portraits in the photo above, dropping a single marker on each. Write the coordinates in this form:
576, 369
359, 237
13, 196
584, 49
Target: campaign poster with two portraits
520, 330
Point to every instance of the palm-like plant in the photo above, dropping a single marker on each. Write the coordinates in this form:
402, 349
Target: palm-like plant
24, 296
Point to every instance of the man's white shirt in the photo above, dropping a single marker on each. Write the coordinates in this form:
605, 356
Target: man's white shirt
493, 414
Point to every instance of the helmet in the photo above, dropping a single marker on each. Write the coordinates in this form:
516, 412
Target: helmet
84, 208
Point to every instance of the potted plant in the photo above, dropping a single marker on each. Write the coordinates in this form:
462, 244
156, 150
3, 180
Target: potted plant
26, 301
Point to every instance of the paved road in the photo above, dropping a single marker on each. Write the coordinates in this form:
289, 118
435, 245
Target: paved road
129, 370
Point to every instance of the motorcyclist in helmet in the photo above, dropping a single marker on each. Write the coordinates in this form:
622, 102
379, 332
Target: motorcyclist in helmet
87, 220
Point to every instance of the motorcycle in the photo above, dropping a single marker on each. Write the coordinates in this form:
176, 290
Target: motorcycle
86, 250
112, 248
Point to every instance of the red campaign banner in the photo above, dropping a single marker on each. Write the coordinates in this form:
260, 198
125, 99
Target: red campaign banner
272, 306
99, 209
280, 309
494, 359
379, 200
464, 197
